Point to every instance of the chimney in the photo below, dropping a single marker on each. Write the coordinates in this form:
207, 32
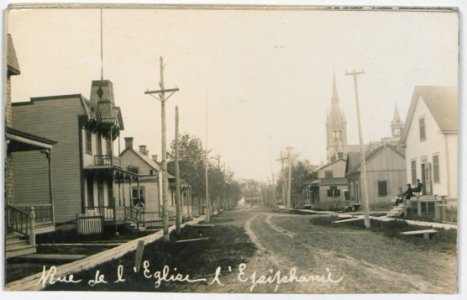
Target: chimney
143, 150
129, 142
154, 158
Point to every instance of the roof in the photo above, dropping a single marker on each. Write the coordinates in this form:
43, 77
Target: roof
354, 158
84, 102
151, 163
330, 163
442, 102
23, 141
12, 60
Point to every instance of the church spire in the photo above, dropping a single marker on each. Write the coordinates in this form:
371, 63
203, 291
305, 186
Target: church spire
335, 98
396, 117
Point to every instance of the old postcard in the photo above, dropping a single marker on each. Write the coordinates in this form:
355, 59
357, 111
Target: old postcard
231, 149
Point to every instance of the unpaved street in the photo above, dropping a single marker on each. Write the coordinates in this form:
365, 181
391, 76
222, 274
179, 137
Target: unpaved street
357, 261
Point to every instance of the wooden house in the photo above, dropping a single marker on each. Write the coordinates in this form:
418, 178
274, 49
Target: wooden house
148, 169
430, 140
385, 167
87, 177
330, 189
36, 215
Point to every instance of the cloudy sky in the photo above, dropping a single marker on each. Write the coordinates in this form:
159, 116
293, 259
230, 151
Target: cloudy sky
266, 75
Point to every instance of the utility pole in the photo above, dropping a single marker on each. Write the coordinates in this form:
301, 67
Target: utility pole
364, 180
206, 162
177, 177
165, 184
284, 184
289, 189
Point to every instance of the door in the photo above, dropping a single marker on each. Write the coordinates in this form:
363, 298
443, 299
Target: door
423, 167
428, 184
100, 196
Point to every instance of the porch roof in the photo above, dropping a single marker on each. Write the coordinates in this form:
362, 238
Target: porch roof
24, 141
109, 169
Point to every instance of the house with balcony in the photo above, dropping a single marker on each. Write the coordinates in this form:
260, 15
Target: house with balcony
25, 217
87, 176
430, 139
148, 194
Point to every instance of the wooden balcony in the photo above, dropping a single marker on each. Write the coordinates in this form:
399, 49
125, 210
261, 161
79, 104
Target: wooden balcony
106, 160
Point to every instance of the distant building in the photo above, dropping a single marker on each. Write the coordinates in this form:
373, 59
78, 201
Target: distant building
336, 128
87, 177
430, 140
385, 167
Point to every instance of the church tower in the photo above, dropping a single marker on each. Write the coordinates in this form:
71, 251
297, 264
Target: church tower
336, 126
396, 124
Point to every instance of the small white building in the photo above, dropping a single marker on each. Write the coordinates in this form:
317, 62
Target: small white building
430, 140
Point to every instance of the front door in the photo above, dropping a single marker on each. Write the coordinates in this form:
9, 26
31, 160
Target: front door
428, 184
423, 167
100, 195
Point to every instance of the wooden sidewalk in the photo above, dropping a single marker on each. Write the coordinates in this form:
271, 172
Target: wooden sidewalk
32, 282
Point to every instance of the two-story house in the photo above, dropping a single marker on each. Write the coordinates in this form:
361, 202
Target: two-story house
430, 140
87, 177
30, 216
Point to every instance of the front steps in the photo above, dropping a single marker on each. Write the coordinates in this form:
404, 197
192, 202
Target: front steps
396, 211
16, 245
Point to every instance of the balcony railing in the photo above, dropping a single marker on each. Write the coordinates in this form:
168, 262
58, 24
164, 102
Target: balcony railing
106, 160
106, 212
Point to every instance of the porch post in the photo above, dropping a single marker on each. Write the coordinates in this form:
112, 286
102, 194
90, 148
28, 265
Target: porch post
48, 154
114, 199
32, 231
129, 192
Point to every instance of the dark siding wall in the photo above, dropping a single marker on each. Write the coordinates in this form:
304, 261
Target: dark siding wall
55, 119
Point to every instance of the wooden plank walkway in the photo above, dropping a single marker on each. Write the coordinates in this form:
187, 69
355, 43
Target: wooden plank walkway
82, 245
32, 282
47, 257
411, 222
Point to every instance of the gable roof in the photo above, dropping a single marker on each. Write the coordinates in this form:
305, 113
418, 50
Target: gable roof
354, 160
146, 159
329, 164
12, 60
442, 104
83, 101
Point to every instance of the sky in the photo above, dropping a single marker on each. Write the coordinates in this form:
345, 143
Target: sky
265, 76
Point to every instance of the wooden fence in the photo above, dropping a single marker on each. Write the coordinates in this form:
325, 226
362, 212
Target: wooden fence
89, 224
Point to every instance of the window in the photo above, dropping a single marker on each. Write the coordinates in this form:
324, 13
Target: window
328, 174
99, 144
436, 168
334, 192
340, 155
88, 142
336, 134
134, 196
421, 123
413, 169
90, 190
151, 172
382, 188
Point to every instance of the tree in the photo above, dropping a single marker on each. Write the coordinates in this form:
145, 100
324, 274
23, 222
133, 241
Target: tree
222, 185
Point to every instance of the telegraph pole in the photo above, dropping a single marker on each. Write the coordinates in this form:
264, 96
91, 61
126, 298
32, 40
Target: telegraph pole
289, 189
363, 177
284, 184
177, 177
165, 184
206, 179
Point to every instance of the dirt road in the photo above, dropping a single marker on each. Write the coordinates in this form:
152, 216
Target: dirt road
322, 259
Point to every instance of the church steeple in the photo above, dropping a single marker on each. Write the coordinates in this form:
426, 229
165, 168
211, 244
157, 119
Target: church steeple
396, 123
336, 127
335, 97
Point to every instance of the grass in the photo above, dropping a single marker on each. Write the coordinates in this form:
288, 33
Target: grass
445, 240
226, 246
